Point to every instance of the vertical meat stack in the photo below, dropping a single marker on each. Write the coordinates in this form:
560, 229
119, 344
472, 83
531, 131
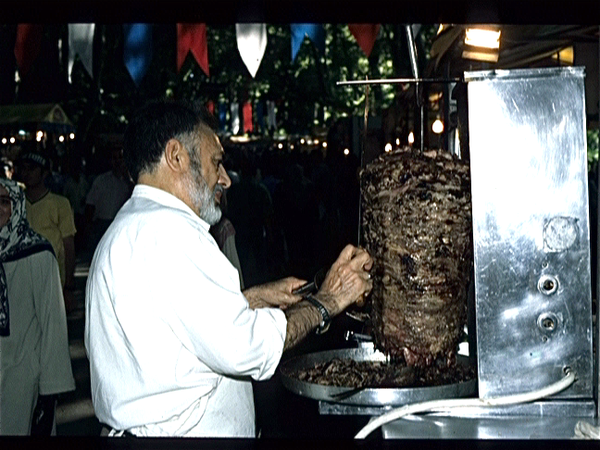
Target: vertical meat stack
416, 223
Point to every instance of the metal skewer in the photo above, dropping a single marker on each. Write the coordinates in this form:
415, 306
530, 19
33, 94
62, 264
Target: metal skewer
399, 81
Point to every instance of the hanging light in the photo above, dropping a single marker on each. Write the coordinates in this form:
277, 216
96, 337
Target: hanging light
12, 140
482, 44
61, 138
346, 152
483, 37
397, 141
72, 136
388, 147
438, 126
411, 138
4, 140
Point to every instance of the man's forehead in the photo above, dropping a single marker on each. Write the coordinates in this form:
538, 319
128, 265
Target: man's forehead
213, 143
218, 145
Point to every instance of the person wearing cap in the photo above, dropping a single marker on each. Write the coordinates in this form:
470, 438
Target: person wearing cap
50, 215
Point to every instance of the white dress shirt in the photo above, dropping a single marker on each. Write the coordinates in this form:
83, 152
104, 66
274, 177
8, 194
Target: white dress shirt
171, 339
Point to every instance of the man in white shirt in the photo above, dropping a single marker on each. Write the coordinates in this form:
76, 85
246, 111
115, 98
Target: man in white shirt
172, 341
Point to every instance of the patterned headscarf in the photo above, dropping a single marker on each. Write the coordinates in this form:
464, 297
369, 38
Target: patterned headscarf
17, 240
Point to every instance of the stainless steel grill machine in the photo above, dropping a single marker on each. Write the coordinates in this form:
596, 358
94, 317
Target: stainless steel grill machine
532, 278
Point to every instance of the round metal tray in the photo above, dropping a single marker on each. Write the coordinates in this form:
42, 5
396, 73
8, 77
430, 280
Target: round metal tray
367, 396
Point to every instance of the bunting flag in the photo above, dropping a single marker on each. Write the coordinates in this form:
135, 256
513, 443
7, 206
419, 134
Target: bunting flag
27, 46
222, 116
137, 52
365, 35
235, 118
260, 116
191, 37
210, 106
247, 113
81, 43
315, 32
251, 43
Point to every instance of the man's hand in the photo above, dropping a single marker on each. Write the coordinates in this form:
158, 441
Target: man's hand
277, 294
348, 280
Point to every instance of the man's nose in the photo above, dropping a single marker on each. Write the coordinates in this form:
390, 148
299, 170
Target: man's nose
224, 179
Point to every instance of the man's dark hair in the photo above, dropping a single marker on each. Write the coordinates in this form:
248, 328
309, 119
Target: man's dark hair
153, 126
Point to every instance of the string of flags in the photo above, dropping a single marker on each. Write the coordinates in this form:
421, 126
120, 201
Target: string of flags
191, 38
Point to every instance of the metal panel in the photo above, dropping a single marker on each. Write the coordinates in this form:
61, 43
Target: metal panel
530, 229
439, 427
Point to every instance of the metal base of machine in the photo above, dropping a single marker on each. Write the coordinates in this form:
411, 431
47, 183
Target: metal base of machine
585, 409
434, 426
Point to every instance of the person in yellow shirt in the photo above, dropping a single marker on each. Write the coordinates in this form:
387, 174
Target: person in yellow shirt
51, 216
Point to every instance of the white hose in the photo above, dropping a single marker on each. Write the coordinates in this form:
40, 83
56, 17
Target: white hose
585, 430
437, 405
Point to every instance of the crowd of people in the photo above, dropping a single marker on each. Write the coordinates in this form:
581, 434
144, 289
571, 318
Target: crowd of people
41, 212
288, 210
284, 212
292, 210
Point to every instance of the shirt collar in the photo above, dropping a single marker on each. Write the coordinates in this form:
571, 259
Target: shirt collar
167, 199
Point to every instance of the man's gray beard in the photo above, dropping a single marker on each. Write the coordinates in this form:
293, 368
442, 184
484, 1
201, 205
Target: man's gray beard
203, 200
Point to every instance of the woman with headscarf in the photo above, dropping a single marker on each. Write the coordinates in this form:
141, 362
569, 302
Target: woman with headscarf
35, 364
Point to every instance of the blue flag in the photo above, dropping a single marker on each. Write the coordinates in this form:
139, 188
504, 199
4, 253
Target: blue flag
260, 115
315, 32
222, 116
137, 52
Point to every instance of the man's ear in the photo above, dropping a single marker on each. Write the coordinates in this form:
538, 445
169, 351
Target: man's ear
176, 156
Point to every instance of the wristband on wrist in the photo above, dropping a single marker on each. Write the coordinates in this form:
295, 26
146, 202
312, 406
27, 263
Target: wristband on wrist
324, 325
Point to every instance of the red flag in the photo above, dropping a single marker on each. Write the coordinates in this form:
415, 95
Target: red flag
27, 45
365, 35
247, 112
192, 37
210, 105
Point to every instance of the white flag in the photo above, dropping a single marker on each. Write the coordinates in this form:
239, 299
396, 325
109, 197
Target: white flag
235, 117
251, 42
81, 42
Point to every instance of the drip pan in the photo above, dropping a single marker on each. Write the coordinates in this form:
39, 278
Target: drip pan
366, 396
